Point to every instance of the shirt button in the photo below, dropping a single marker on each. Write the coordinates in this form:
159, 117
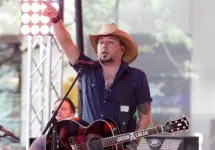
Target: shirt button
104, 101
123, 123
110, 90
102, 115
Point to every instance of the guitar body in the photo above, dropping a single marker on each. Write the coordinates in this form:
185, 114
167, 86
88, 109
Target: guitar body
76, 134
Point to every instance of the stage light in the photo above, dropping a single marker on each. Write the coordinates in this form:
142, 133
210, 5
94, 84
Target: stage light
44, 29
32, 22
25, 7
35, 7
51, 30
35, 18
35, 29
25, 29
56, 5
44, 19
25, 18
42, 6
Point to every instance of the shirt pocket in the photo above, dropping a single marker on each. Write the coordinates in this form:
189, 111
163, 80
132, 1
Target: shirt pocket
94, 89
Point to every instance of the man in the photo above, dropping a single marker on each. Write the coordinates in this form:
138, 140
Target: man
111, 88
6, 146
67, 110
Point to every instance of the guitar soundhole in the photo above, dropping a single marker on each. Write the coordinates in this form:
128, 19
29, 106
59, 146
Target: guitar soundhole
95, 143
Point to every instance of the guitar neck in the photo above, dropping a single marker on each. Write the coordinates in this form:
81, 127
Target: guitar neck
109, 141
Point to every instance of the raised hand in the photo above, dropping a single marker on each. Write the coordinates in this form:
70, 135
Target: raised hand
49, 11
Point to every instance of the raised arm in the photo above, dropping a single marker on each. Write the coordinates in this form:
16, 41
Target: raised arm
62, 35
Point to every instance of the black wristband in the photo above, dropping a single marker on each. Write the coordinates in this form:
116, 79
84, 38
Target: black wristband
55, 19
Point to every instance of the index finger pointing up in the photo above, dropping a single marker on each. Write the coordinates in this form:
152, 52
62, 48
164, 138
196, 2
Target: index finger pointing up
46, 3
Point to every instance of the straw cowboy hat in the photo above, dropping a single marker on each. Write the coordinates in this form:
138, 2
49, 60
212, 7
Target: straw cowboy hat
131, 51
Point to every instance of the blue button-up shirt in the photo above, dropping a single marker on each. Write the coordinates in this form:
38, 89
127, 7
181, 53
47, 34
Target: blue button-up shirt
98, 102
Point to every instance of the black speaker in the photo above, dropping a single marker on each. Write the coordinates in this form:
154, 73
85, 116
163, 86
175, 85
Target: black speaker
169, 142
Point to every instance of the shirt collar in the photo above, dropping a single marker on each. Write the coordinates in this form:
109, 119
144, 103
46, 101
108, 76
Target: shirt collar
123, 67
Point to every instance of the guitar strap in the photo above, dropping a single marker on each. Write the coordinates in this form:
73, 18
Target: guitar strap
125, 98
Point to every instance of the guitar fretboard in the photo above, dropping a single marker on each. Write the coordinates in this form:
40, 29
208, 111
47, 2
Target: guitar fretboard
109, 141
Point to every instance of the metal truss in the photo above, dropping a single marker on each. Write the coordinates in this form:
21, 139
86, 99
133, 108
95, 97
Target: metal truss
44, 85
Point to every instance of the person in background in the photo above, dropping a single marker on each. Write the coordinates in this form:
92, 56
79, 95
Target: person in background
6, 146
67, 110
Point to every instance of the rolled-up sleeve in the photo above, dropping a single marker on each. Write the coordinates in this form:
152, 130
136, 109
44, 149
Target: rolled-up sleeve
81, 57
143, 92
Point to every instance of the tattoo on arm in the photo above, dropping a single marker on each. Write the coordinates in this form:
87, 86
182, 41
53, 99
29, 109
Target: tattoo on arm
144, 108
144, 113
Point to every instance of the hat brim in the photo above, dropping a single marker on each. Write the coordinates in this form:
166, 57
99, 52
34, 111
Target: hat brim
131, 51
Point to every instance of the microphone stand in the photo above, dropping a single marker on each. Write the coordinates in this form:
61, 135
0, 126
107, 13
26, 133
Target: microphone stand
13, 137
53, 120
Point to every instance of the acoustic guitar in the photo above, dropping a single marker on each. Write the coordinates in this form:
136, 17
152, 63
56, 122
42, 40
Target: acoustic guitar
76, 134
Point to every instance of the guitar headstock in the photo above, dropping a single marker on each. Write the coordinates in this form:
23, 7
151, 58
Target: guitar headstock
176, 125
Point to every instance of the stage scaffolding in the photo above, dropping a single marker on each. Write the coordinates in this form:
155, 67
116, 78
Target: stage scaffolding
44, 82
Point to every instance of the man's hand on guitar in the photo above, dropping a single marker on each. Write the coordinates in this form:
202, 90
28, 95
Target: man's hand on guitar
132, 145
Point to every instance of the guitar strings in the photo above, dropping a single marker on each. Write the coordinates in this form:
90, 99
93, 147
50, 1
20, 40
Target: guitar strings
93, 144
98, 141
83, 146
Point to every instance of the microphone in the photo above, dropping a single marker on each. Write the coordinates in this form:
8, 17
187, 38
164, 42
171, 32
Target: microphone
8, 133
86, 63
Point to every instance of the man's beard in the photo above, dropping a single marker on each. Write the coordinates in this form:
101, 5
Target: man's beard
106, 60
